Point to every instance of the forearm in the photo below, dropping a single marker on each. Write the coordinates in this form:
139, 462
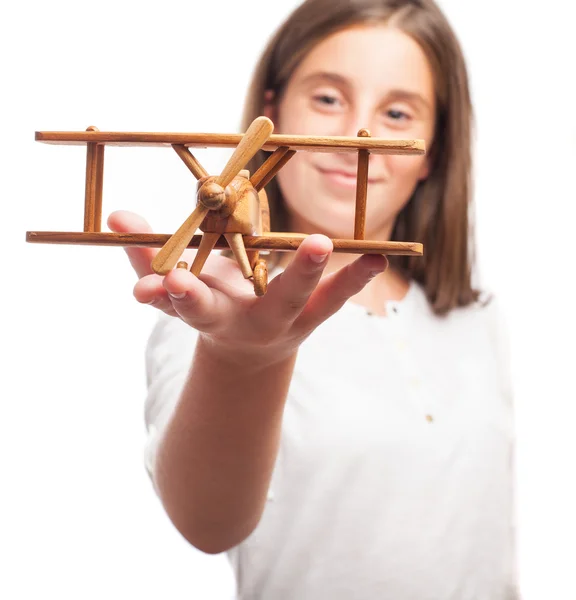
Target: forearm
217, 455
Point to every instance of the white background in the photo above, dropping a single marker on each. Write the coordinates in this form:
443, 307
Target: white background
78, 516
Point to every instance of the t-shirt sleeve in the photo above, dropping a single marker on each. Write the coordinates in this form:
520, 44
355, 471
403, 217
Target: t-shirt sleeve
501, 340
501, 337
168, 357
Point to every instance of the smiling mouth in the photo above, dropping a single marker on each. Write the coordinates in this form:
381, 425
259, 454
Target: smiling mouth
345, 178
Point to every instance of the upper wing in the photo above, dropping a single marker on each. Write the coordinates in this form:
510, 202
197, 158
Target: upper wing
231, 140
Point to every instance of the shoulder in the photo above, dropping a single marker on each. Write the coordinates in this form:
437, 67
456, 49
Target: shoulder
495, 315
481, 322
486, 308
486, 319
490, 310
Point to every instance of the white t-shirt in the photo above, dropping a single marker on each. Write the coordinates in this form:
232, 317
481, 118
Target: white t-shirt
394, 479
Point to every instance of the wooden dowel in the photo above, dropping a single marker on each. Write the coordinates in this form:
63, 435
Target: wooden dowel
236, 244
273, 242
361, 189
99, 187
90, 191
271, 166
286, 234
190, 161
303, 143
94, 182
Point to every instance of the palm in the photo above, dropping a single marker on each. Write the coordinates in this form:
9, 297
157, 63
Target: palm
222, 277
221, 302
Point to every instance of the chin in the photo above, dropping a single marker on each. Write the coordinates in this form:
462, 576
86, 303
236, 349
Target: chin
335, 230
342, 232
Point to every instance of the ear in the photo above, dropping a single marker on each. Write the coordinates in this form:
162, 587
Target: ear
425, 169
429, 159
427, 162
270, 106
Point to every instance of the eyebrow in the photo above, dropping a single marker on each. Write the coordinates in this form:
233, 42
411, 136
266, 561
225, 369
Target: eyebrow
327, 76
410, 97
398, 94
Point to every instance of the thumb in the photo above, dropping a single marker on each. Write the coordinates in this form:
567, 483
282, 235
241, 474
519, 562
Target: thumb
123, 221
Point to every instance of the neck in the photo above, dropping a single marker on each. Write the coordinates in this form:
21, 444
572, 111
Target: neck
390, 285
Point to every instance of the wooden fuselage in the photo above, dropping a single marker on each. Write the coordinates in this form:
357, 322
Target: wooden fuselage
241, 212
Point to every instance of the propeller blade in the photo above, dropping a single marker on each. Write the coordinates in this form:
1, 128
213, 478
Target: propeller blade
168, 256
254, 138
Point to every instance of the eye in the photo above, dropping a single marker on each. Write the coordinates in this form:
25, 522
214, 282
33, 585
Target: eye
397, 115
327, 101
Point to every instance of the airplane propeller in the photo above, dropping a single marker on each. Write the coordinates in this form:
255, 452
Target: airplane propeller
212, 193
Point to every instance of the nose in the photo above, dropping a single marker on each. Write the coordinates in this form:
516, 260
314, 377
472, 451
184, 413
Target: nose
357, 126
358, 129
357, 120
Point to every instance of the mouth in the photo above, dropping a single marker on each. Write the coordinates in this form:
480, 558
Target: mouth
345, 178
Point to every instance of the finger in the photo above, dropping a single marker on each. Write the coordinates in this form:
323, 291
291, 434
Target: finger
193, 300
149, 290
224, 274
288, 293
123, 221
335, 289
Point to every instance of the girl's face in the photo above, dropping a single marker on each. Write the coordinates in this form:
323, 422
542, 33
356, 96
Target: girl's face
374, 77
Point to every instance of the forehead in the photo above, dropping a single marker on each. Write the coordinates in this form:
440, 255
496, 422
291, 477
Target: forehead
374, 56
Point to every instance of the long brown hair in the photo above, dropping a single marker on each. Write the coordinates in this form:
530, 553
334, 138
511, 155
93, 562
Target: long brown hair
440, 210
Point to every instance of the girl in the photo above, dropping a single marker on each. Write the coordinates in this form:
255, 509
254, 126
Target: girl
349, 434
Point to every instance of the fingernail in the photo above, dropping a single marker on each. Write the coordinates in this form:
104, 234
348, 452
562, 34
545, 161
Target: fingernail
318, 258
177, 296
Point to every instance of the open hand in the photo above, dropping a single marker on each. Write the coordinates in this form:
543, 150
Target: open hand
221, 303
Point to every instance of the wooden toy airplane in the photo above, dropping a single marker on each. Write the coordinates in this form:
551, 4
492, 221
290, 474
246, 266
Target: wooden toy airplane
233, 204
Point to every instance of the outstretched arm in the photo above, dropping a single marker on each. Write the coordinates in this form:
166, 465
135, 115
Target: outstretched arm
217, 452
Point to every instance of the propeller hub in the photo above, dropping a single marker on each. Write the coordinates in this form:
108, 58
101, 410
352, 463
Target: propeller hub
212, 195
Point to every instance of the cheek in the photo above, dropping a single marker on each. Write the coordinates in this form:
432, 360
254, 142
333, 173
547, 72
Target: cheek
295, 117
297, 124
292, 177
290, 117
407, 170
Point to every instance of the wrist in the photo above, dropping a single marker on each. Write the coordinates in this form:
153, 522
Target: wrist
252, 358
